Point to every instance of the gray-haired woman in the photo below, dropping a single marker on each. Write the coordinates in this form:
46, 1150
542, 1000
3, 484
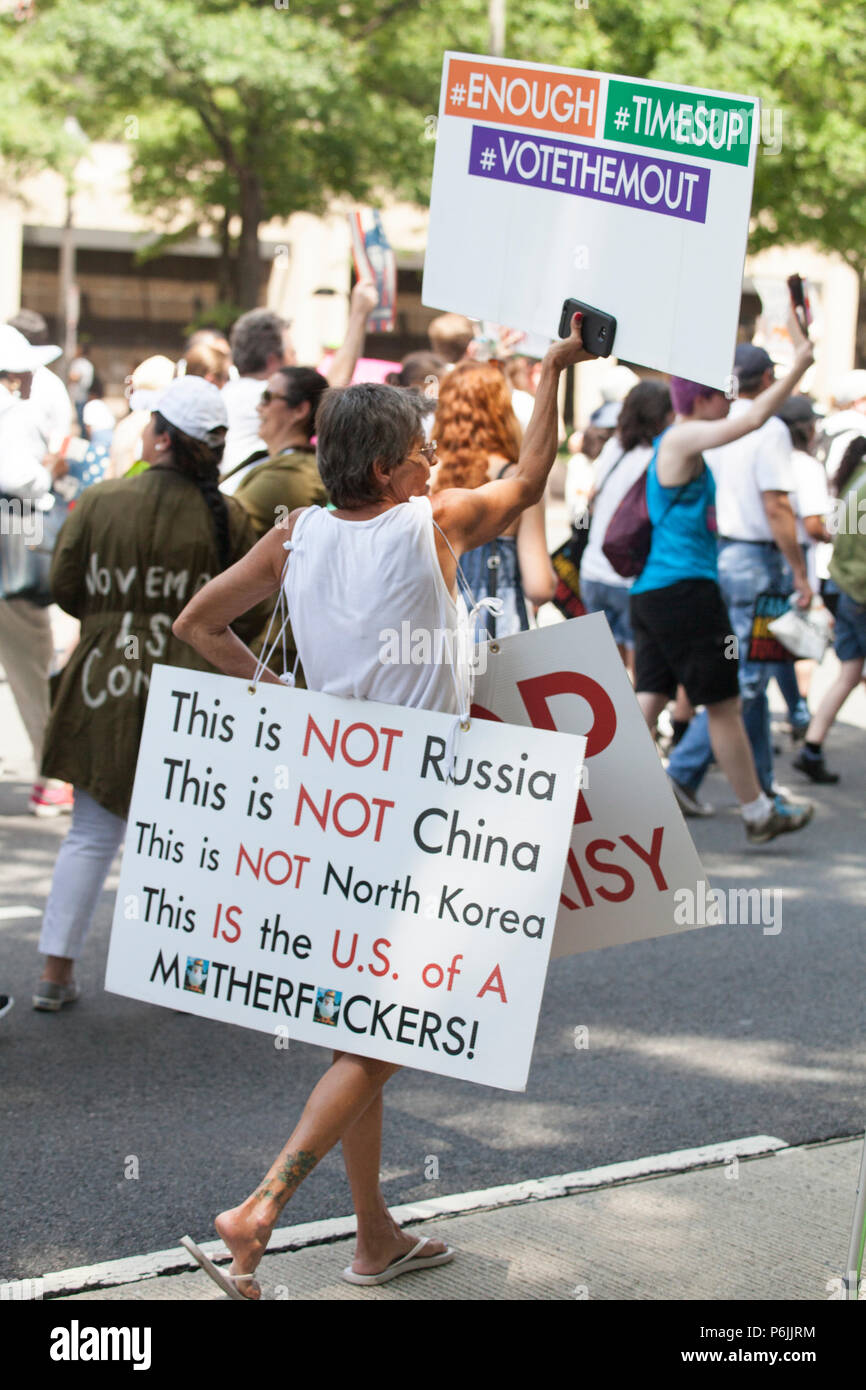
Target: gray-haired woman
388, 553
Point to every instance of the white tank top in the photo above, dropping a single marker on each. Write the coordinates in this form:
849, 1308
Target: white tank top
371, 614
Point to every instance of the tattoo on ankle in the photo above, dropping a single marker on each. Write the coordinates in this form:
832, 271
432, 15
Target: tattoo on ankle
291, 1173
296, 1167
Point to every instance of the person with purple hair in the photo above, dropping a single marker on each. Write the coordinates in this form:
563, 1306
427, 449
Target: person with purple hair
681, 626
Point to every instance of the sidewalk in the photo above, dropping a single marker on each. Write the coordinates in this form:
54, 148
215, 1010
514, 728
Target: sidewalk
752, 1219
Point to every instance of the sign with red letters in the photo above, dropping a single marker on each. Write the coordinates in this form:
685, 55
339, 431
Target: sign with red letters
347, 873
630, 848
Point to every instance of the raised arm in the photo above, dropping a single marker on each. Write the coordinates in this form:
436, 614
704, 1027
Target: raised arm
684, 443
471, 516
363, 302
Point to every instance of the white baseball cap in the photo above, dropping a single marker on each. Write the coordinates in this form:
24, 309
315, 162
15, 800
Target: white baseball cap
17, 355
191, 404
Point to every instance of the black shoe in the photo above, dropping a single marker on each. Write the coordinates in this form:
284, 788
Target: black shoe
814, 767
6, 1002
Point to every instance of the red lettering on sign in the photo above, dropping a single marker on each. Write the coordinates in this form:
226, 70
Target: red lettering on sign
537, 690
651, 856
604, 866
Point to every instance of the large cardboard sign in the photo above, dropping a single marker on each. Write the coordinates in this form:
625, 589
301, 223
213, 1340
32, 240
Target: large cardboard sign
630, 848
300, 864
632, 196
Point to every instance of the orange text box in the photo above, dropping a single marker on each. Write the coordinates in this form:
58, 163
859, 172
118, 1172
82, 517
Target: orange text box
520, 96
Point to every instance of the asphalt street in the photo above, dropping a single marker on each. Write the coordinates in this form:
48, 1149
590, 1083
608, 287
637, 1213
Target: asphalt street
692, 1039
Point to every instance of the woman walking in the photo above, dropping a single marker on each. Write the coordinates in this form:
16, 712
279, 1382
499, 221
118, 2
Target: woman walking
386, 554
681, 625
848, 571
126, 561
646, 411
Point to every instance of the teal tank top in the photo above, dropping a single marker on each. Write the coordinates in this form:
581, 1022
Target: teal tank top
684, 530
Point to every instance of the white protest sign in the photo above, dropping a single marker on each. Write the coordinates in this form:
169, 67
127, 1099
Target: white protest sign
299, 862
630, 849
632, 196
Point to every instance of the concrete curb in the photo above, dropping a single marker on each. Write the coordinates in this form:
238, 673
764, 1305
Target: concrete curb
135, 1268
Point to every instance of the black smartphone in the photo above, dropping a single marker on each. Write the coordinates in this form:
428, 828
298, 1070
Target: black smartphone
599, 328
800, 301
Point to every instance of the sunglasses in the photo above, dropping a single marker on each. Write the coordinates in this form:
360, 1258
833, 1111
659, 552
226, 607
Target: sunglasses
268, 396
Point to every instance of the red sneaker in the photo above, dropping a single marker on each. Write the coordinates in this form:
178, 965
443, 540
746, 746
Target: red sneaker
50, 801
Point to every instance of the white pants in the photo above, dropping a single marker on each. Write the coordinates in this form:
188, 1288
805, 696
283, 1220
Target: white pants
85, 858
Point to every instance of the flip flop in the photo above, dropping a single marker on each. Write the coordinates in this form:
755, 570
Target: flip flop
404, 1265
227, 1282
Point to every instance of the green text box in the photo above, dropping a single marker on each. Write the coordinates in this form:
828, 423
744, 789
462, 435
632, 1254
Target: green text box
686, 122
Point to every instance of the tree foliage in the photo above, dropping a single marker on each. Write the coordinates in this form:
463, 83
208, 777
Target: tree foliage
256, 110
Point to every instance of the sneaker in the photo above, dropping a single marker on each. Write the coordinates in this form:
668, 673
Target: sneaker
50, 801
814, 767
688, 801
51, 997
784, 817
799, 732
6, 1002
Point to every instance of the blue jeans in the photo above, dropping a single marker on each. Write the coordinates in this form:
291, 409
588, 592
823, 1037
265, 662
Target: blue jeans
745, 570
786, 680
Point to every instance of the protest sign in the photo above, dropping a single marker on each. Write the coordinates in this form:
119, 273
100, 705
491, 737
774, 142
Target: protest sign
631, 196
299, 864
630, 848
374, 259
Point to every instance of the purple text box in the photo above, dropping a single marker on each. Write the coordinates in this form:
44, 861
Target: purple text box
591, 171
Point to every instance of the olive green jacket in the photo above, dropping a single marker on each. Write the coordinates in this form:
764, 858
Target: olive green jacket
848, 565
276, 486
129, 557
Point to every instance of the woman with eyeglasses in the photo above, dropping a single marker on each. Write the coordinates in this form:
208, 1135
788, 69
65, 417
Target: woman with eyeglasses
283, 476
386, 554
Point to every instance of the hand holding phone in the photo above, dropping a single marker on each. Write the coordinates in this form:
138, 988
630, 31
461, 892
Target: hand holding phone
598, 328
800, 302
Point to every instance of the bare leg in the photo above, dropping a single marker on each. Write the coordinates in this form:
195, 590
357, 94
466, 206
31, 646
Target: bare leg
804, 671
380, 1240
337, 1101
683, 709
58, 969
627, 654
651, 706
834, 698
732, 748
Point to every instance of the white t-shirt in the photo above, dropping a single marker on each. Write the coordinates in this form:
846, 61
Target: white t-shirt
230, 485
759, 462
22, 449
50, 399
242, 437
610, 490
811, 497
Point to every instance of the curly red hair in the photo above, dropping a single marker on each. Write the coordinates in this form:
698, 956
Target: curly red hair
474, 419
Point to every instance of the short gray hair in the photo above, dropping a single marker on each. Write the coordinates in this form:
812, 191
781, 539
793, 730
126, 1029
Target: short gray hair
358, 426
255, 337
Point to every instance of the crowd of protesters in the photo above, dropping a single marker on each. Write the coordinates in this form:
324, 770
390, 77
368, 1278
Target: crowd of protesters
745, 496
